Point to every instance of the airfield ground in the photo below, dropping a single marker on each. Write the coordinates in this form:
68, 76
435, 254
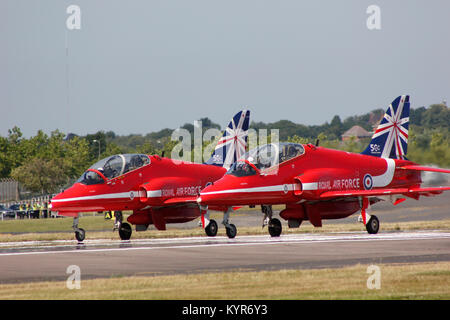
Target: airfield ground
412, 251
398, 281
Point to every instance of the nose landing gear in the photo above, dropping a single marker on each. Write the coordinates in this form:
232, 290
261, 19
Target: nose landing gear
230, 228
79, 232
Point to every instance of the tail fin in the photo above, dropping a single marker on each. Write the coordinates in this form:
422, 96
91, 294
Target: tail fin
233, 142
390, 140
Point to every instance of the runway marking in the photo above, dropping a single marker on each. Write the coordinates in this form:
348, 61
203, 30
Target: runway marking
197, 242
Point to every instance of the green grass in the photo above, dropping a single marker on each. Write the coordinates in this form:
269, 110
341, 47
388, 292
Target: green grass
412, 281
53, 225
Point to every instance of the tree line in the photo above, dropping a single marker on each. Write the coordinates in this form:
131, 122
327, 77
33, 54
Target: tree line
44, 163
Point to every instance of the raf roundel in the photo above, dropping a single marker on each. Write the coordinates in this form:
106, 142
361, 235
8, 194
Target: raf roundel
368, 182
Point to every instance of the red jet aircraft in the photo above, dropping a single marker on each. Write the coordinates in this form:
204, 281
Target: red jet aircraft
158, 190
317, 183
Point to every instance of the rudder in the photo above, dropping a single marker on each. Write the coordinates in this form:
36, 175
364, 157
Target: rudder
390, 140
233, 142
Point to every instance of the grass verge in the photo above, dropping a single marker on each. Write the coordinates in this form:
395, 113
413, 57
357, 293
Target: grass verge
411, 281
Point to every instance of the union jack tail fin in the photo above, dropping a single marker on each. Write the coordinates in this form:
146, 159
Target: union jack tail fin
232, 145
390, 140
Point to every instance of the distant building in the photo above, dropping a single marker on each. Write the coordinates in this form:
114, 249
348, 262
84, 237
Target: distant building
357, 132
70, 136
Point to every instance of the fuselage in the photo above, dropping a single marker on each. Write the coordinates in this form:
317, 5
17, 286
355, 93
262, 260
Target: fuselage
307, 176
148, 186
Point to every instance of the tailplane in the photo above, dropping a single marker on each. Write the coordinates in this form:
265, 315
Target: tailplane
390, 140
232, 145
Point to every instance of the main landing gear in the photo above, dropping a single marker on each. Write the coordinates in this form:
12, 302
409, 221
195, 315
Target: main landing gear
373, 225
124, 228
211, 228
230, 228
125, 231
371, 222
274, 225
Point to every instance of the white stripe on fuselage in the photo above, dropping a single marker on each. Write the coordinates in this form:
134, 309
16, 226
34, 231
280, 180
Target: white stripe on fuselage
154, 193
275, 188
120, 195
254, 189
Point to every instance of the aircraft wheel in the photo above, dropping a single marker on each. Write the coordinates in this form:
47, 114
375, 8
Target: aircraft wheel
373, 225
275, 227
231, 231
80, 234
211, 228
125, 231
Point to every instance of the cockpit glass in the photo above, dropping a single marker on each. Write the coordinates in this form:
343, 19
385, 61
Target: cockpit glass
289, 151
119, 164
272, 154
241, 169
113, 167
90, 178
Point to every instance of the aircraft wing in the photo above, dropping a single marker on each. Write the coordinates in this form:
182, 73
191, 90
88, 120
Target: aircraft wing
383, 192
423, 168
193, 199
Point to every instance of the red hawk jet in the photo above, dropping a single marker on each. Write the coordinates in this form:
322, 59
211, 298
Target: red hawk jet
317, 183
158, 190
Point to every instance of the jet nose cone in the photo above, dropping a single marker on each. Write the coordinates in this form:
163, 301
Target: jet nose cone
55, 201
65, 199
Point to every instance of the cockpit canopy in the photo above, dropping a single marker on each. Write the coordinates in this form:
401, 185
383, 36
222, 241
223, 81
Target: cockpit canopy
266, 156
113, 166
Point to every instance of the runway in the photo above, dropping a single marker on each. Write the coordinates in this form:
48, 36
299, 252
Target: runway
49, 260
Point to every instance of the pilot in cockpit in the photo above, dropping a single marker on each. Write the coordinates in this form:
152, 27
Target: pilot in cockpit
136, 162
292, 152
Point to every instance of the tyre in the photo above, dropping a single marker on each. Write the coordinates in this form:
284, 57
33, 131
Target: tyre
373, 225
231, 231
80, 234
275, 227
211, 228
125, 231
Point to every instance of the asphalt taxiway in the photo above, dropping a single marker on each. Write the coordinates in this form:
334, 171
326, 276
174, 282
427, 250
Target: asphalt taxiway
49, 260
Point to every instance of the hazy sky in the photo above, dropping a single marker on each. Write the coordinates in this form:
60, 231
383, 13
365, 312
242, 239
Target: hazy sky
140, 66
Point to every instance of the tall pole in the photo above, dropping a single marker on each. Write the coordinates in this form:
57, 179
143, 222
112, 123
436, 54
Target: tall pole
67, 82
